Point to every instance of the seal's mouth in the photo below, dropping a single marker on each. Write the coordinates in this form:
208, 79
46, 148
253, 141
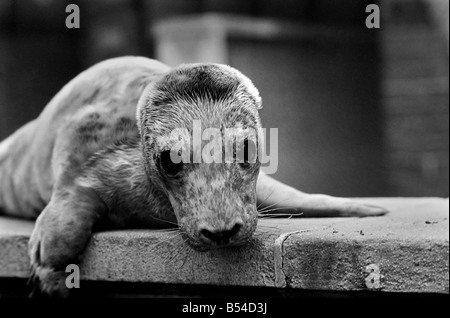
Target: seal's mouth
201, 245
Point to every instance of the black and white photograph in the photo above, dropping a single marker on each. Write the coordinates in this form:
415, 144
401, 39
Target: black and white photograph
224, 156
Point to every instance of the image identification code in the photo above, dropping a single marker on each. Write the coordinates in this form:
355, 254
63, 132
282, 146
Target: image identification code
229, 307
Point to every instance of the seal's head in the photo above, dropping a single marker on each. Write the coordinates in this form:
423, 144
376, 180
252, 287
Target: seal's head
209, 106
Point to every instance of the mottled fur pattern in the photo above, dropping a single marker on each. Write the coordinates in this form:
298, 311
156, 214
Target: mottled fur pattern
204, 196
92, 159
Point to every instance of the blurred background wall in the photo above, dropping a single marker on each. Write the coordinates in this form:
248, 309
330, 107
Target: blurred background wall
360, 112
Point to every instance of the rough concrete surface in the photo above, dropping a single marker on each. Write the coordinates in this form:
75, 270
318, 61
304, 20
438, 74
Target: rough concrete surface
405, 251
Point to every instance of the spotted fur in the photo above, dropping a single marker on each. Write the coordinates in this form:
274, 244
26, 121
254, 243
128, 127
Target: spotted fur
92, 159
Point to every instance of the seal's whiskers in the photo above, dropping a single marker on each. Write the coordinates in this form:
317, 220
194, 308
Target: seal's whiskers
165, 221
273, 204
172, 237
263, 201
167, 230
272, 216
266, 212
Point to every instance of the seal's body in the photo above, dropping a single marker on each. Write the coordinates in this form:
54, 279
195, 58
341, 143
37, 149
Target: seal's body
97, 157
96, 111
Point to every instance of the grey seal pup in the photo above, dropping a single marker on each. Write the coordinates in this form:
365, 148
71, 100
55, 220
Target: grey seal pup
98, 157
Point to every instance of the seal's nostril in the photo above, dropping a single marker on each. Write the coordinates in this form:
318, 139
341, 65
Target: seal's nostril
221, 237
209, 235
235, 229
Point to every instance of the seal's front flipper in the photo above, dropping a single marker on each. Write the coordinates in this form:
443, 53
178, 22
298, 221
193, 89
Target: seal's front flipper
60, 236
275, 197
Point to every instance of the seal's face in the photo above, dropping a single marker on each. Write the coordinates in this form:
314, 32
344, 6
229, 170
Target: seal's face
207, 115
215, 203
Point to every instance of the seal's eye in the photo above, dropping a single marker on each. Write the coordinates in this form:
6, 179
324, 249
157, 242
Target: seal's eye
170, 168
249, 153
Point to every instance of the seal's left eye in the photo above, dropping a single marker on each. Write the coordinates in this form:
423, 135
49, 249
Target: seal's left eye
170, 168
249, 152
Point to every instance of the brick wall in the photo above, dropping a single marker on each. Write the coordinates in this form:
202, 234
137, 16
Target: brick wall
38, 55
415, 98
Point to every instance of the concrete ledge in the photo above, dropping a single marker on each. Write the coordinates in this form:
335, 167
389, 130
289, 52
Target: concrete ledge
406, 251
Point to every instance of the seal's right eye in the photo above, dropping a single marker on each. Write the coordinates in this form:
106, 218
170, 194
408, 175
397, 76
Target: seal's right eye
170, 168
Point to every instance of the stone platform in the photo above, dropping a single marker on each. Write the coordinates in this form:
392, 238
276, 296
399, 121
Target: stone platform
404, 251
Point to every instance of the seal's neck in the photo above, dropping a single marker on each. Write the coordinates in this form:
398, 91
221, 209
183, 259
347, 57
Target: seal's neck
120, 179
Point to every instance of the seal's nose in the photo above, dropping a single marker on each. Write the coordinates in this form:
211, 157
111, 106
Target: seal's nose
220, 237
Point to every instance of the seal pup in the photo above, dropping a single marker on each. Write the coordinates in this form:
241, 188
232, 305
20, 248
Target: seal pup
97, 157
